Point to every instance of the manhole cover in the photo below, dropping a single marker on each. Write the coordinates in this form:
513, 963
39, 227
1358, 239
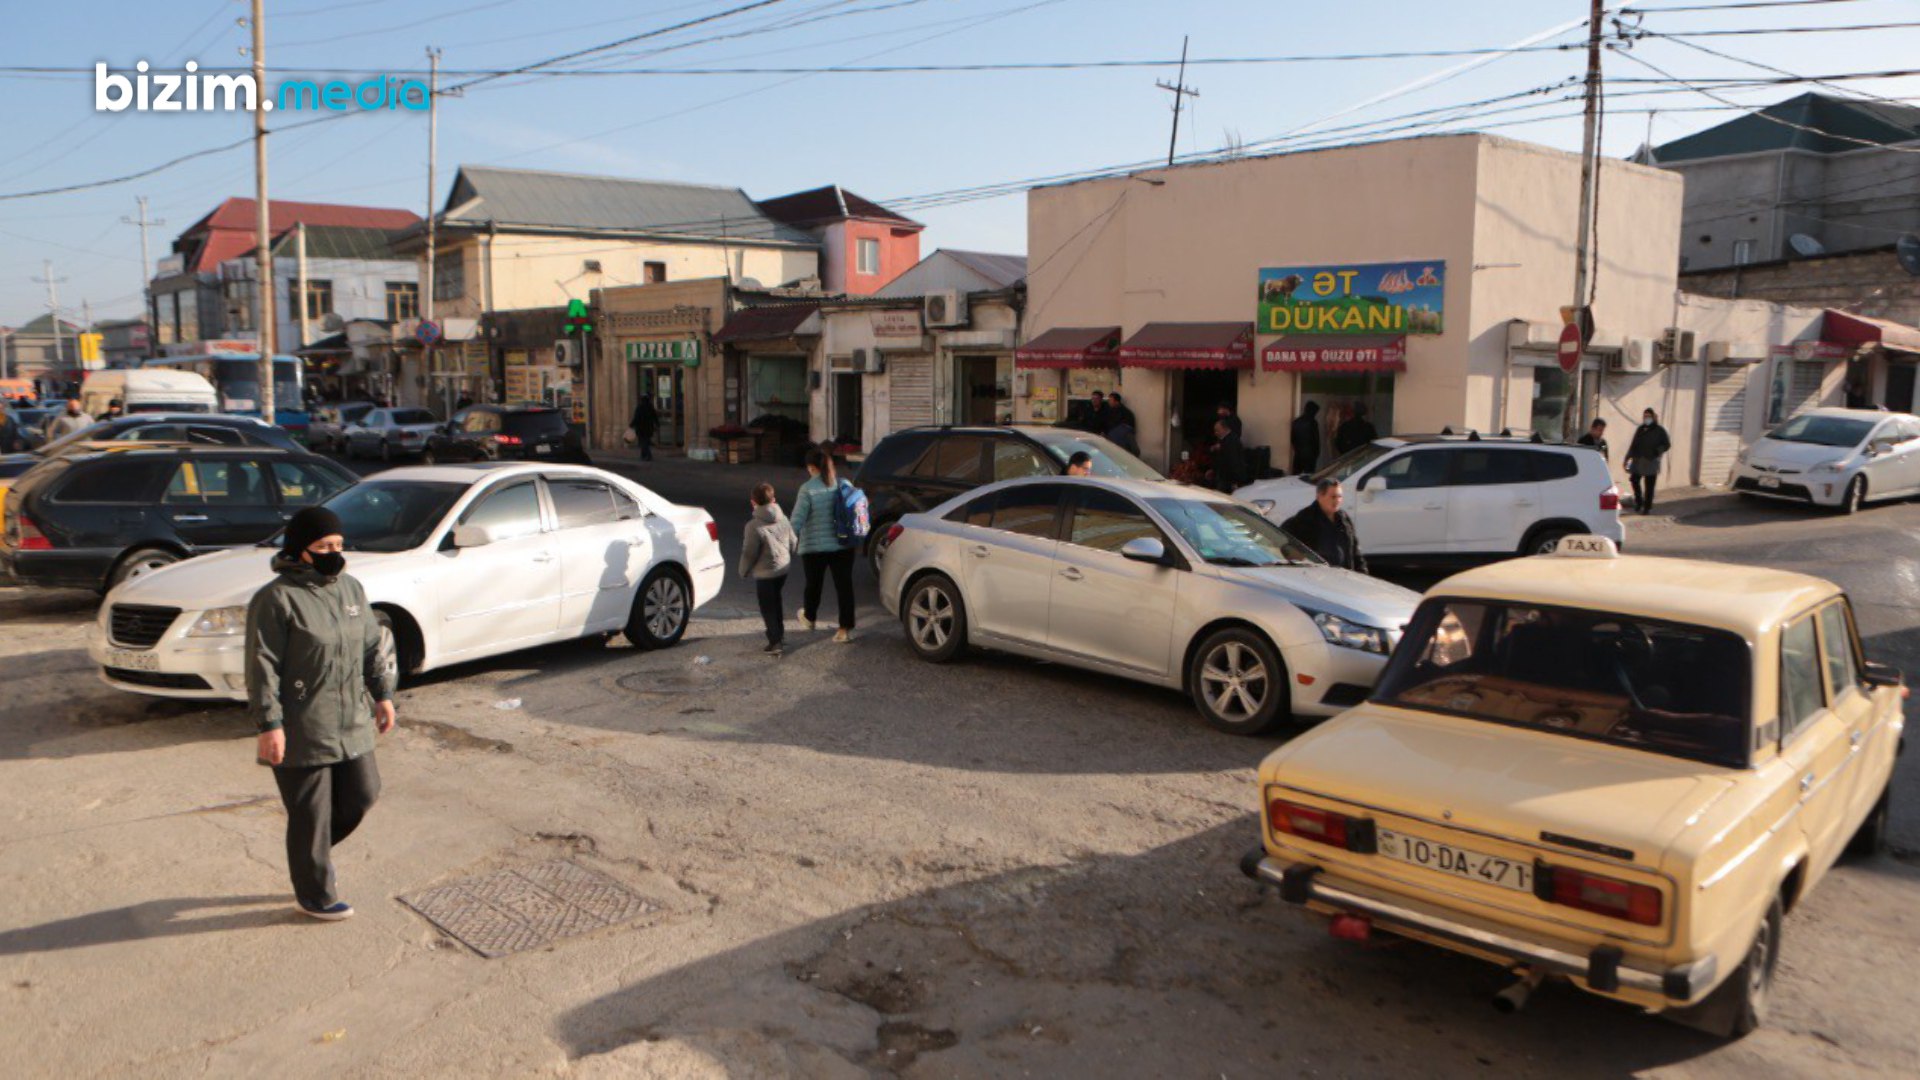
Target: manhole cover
526, 907
670, 682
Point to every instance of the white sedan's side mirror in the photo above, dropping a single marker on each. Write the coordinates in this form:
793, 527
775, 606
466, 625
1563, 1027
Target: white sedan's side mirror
1144, 549
472, 536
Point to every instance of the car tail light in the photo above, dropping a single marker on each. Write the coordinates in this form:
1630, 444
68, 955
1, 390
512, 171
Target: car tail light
1601, 895
713, 530
893, 533
31, 538
507, 440
1321, 826
1610, 498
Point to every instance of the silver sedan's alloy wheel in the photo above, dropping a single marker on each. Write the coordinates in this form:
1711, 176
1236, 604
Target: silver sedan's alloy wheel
930, 619
1234, 681
665, 608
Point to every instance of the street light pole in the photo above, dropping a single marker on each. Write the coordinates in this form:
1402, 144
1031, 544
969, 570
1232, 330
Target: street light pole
263, 253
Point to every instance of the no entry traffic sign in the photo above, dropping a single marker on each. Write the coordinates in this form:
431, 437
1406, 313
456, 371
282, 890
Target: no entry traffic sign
1569, 347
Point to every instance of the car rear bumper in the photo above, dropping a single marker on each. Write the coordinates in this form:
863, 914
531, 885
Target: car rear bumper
1603, 969
190, 668
55, 569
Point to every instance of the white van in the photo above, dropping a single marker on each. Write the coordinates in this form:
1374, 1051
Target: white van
148, 390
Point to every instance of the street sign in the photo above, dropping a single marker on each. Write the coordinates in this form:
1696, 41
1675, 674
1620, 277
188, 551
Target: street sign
578, 320
1569, 348
428, 333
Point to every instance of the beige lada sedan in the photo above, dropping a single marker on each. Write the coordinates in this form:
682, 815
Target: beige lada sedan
1616, 770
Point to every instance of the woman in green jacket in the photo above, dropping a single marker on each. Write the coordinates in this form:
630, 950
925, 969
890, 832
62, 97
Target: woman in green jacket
319, 684
821, 554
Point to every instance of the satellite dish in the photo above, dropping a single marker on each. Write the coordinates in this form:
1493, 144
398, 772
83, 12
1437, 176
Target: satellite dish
1908, 252
1806, 245
750, 283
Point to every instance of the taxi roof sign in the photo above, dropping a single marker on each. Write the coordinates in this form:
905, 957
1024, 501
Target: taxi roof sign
1585, 546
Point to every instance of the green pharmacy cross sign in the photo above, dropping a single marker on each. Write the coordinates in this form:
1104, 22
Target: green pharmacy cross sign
578, 320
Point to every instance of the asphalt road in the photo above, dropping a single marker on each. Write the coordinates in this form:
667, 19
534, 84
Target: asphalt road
853, 864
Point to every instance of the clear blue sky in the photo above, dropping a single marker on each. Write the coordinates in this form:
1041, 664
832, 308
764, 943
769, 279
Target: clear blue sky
885, 136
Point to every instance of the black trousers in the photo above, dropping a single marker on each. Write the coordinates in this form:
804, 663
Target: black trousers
1643, 492
817, 566
325, 803
646, 447
773, 606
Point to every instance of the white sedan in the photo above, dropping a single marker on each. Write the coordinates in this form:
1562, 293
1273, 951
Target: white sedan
1172, 586
459, 561
1843, 458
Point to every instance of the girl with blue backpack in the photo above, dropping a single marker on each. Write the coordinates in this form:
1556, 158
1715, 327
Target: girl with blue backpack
822, 514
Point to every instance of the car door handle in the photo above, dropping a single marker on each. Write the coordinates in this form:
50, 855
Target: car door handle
978, 551
1435, 506
1806, 783
1523, 502
190, 517
1072, 574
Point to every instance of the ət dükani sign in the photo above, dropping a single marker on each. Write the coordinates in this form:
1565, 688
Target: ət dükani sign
1363, 298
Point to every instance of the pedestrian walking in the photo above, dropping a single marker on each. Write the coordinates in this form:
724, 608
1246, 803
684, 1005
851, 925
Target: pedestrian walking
766, 554
646, 421
1225, 412
1229, 458
1326, 528
1354, 432
1596, 437
821, 553
115, 410
1644, 456
68, 422
319, 686
1305, 433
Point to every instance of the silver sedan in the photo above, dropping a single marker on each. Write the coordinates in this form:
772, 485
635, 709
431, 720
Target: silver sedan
1176, 587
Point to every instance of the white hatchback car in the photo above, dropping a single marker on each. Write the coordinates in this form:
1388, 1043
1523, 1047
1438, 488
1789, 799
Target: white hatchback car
1169, 585
1843, 458
459, 561
1459, 498
390, 433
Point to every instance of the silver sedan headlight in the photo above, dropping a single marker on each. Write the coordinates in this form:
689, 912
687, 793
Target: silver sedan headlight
221, 622
1350, 635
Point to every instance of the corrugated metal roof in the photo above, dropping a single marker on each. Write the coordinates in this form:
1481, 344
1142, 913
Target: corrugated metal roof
329, 242
967, 271
820, 206
1868, 121
1002, 270
765, 323
550, 200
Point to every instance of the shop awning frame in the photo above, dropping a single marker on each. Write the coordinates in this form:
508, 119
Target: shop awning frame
1358, 354
782, 322
1071, 347
1861, 331
1225, 346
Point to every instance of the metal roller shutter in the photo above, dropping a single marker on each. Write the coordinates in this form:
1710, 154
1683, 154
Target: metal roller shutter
910, 391
1725, 420
1803, 392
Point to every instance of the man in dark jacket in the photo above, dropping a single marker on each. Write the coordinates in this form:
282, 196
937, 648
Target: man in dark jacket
1355, 431
1306, 440
646, 420
1225, 412
1099, 416
1118, 413
1596, 437
1229, 459
1327, 529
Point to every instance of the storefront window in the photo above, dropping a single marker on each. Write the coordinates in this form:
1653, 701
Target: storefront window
777, 386
1339, 394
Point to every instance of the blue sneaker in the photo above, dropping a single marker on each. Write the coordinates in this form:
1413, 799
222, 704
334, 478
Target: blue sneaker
333, 912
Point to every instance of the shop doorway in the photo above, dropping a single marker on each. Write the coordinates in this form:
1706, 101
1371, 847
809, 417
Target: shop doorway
1900, 387
1197, 394
983, 392
848, 420
1339, 394
662, 382
1546, 417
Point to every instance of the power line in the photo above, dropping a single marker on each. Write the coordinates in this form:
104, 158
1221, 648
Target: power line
1751, 4
1762, 114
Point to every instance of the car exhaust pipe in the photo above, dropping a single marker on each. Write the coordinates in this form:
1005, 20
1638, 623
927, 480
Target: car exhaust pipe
1515, 997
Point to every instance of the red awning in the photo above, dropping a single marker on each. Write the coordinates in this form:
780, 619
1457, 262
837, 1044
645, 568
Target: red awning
766, 323
1335, 352
1859, 330
1071, 347
1226, 345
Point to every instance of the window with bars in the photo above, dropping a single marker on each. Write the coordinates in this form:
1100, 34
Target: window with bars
653, 273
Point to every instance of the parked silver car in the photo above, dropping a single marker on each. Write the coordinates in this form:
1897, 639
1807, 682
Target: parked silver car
328, 429
1842, 458
391, 433
1174, 586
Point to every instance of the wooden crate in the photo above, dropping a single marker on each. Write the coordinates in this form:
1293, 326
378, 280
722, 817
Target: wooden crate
738, 452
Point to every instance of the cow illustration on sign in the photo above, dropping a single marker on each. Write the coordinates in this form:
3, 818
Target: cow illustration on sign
1356, 299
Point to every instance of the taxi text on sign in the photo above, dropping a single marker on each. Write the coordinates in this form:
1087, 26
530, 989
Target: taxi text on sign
1363, 298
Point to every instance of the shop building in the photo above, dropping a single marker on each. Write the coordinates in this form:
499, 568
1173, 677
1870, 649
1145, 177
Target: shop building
863, 245
1423, 278
658, 341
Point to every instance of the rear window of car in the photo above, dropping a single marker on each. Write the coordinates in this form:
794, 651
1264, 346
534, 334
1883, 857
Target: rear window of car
111, 482
545, 422
1551, 466
413, 416
895, 453
956, 459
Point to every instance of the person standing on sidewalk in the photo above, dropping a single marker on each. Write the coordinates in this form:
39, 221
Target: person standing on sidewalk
318, 686
1644, 456
820, 550
646, 421
765, 556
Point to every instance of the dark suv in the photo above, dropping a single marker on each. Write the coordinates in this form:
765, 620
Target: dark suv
915, 470
198, 429
92, 520
505, 432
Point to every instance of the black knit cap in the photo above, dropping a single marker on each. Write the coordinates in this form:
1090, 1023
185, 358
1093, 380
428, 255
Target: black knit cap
311, 524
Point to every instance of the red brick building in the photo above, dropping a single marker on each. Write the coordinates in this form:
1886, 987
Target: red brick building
864, 245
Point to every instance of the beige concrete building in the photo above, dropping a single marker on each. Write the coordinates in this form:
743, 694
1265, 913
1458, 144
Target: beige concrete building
1442, 264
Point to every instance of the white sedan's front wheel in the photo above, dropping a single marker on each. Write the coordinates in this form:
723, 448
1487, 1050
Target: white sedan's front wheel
1238, 682
1856, 496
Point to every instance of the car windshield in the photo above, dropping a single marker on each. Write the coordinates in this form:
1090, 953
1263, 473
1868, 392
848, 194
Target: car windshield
1108, 458
392, 515
1666, 688
1822, 430
1229, 534
1352, 462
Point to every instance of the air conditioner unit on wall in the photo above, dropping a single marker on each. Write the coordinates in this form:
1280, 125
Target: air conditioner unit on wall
948, 307
564, 353
871, 361
1676, 346
1634, 358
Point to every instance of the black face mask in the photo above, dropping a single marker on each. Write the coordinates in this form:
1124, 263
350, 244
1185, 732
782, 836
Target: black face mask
328, 564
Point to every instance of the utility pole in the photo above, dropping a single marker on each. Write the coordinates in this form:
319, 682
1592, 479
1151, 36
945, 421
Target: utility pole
433, 155
1180, 91
1589, 166
53, 310
146, 265
263, 252
300, 277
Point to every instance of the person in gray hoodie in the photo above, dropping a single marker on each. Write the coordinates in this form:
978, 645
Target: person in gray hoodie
319, 685
765, 556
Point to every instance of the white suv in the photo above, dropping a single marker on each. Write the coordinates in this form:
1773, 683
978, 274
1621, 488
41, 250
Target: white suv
1459, 498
